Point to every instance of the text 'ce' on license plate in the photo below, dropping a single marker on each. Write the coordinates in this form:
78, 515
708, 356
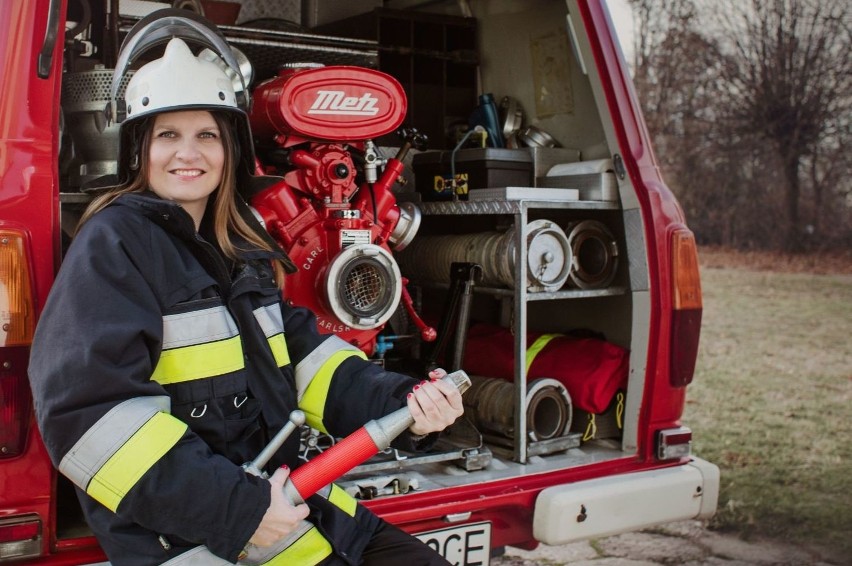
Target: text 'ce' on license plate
465, 545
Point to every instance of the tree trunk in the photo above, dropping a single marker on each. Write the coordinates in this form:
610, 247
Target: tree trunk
793, 241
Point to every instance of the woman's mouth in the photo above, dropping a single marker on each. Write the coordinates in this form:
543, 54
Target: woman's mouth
187, 172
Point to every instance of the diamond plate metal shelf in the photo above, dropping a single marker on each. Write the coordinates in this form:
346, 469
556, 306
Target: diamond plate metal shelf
269, 49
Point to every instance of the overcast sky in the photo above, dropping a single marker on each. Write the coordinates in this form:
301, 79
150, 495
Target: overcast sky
622, 18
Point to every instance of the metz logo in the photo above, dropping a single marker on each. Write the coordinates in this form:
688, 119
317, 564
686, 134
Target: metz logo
336, 102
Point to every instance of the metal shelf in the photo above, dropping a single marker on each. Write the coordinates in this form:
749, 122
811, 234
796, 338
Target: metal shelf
473, 207
522, 448
555, 295
75, 198
268, 49
535, 296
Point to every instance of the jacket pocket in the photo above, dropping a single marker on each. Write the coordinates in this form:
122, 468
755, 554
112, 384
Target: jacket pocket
229, 424
241, 431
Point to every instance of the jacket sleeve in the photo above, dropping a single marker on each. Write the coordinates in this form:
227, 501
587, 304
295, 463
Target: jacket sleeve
339, 389
105, 424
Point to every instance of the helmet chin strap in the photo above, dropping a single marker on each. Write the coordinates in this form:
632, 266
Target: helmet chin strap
134, 150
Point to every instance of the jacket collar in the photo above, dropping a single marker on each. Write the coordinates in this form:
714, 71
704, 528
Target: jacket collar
174, 219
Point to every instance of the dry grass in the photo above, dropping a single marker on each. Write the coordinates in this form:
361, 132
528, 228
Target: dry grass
815, 263
771, 399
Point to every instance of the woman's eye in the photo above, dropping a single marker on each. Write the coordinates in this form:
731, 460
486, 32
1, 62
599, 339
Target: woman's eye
208, 135
166, 134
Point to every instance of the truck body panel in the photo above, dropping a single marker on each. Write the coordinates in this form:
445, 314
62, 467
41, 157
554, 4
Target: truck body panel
572, 486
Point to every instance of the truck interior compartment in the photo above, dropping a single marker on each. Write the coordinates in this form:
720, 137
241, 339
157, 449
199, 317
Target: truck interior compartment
483, 258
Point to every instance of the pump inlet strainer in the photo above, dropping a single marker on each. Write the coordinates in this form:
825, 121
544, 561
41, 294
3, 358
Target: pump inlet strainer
363, 286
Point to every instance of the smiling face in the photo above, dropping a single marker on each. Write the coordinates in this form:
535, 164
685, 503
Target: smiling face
186, 159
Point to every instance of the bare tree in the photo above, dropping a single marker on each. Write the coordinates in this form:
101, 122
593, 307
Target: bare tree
749, 104
676, 71
788, 84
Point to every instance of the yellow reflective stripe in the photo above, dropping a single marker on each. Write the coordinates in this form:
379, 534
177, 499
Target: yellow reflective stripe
108, 434
343, 500
279, 349
538, 346
270, 321
308, 367
313, 402
199, 362
141, 451
310, 548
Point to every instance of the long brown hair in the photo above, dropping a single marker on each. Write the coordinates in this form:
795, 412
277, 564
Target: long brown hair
227, 220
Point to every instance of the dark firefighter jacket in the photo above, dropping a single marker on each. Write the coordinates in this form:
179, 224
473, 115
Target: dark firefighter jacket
158, 368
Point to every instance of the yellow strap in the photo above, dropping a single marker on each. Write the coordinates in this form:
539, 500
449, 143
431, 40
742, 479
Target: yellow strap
311, 548
538, 346
619, 410
591, 428
313, 401
199, 361
141, 451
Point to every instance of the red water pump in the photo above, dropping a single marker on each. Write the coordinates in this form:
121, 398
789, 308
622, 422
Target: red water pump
333, 211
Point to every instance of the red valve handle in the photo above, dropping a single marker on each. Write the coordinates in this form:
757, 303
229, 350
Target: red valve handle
427, 333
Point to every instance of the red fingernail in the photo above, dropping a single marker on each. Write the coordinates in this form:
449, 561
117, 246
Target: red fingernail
285, 467
410, 394
416, 387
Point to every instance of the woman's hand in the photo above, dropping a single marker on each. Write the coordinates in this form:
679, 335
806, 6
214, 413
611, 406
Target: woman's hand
434, 404
281, 518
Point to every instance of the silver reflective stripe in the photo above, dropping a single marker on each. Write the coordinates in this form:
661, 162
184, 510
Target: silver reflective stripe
257, 555
201, 556
324, 492
197, 327
308, 367
106, 436
270, 320
198, 556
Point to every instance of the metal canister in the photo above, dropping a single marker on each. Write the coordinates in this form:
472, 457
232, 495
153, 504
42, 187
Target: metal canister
490, 405
594, 254
428, 258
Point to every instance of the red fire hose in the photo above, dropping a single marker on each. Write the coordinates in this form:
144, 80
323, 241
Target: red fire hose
356, 448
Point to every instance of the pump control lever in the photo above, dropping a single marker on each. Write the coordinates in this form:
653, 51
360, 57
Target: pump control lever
255, 467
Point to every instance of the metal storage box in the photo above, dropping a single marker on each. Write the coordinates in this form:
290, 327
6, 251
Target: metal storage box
476, 168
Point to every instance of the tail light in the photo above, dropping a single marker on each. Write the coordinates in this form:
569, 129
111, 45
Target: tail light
20, 537
17, 319
686, 308
16, 298
674, 443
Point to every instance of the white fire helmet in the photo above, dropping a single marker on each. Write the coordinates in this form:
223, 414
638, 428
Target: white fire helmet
179, 81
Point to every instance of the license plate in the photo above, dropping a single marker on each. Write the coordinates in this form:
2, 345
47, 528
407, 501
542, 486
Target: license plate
465, 545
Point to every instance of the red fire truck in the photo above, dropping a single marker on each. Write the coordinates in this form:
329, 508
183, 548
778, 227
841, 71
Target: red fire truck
461, 184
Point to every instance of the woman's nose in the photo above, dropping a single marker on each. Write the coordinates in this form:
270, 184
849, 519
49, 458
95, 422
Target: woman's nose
187, 150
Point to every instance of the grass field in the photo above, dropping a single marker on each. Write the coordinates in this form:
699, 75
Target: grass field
771, 403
